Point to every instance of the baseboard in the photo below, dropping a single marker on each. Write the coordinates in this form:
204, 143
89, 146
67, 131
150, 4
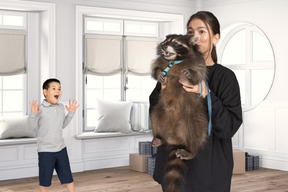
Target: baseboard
105, 163
271, 163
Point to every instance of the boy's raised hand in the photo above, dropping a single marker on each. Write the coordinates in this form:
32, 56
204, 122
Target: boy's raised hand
34, 107
72, 106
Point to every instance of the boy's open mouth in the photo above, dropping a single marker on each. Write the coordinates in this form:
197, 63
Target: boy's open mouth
56, 96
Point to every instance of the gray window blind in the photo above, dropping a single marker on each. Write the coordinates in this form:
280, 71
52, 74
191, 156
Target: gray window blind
103, 54
140, 54
12, 52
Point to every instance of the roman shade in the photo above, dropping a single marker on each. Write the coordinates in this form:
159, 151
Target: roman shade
12, 52
140, 54
103, 54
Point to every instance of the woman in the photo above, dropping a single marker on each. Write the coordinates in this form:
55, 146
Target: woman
211, 169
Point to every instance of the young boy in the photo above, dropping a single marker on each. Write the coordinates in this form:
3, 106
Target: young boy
49, 120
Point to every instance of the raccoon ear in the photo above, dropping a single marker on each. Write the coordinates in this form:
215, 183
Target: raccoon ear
194, 39
168, 36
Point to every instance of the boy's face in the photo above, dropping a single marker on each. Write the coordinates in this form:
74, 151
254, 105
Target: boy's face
53, 93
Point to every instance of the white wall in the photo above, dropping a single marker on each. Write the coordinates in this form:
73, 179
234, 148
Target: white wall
264, 129
20, 160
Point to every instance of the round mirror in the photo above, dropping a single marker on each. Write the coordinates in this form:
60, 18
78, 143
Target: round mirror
246, 50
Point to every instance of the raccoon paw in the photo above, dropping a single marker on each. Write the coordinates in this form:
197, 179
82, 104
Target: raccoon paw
183, 154
160, 77
187, 73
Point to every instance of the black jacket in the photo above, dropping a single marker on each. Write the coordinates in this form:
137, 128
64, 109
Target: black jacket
211, 170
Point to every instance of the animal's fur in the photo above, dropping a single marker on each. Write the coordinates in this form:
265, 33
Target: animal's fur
180, 118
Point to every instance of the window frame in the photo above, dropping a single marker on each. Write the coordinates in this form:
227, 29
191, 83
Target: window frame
124, 72
43, 63
249, 64
171, 23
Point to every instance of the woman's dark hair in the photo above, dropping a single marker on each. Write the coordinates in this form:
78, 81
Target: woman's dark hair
48, 81
208, 19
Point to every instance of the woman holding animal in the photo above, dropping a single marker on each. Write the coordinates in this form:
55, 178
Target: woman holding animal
211, 169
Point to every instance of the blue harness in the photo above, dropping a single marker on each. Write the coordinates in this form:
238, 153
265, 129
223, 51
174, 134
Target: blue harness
209, 103
171, 63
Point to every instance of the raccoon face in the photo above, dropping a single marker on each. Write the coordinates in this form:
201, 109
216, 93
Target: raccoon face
176, 47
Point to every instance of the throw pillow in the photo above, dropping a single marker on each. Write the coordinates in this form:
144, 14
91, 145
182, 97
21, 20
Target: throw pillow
140, 116
15, 127
113, 116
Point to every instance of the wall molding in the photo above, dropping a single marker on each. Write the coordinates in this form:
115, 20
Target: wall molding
151, 5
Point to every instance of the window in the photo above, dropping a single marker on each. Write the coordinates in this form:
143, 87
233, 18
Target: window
166, 24
118, 56
247, 51
12, 95
13, 20
12, 63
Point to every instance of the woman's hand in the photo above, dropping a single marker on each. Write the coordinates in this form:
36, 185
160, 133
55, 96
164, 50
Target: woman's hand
72, 106
156, 142
187, 86
34, 107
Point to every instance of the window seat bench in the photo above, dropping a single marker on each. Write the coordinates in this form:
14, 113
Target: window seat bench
93, 135
17, 141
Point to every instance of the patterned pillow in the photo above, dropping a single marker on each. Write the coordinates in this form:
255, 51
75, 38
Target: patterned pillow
139, 117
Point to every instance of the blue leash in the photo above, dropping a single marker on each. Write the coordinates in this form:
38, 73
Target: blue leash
209, 102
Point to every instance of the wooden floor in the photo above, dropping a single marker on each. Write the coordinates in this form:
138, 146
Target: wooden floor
124, 180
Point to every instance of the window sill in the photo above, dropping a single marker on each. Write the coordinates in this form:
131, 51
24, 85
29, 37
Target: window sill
92, 135
17, 141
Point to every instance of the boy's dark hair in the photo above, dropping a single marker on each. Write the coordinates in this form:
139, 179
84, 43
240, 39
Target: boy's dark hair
46, 84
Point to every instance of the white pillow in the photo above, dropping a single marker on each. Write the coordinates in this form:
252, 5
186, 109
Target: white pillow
113, 116
15, 127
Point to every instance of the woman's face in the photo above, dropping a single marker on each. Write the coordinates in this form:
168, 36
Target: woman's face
207, 38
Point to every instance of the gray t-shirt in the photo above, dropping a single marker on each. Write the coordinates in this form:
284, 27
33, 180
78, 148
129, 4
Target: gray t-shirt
49, 125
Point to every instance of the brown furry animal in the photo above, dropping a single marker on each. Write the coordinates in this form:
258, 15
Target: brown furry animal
180, 118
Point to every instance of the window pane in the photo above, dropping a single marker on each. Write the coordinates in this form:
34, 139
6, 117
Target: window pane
133, 28
240, 74
13, 114
137, 28
94, 26
262, 50
91, 119
91, 97
0, 19
1, 102
12, 101
112, 27
139, 88
13, 82
103, 87
149, 29
112, 81
13, 20
103, 26
260, 84
94, 81
112, 94
235, 50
